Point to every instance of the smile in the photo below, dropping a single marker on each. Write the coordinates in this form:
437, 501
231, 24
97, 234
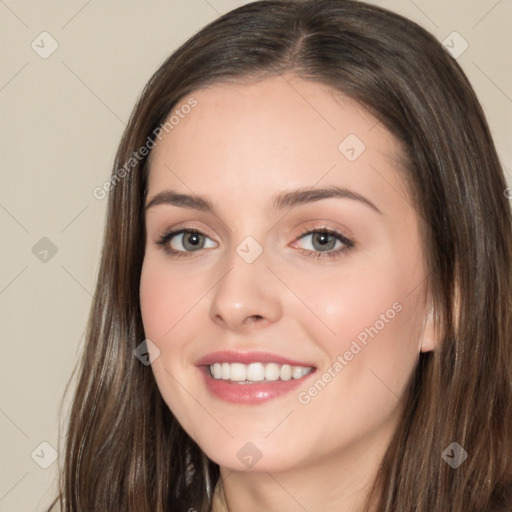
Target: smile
257, 372
251, 377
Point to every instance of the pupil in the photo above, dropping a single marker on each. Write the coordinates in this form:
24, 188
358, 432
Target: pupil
323, 240
192, 240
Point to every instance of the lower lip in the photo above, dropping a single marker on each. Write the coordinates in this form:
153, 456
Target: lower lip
251, 394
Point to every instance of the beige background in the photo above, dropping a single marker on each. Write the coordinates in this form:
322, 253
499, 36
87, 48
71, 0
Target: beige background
61, 120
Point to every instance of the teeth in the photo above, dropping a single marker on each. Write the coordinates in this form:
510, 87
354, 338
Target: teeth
257, 372
216, 370
238, 372
286, 372
272, 371
296, 372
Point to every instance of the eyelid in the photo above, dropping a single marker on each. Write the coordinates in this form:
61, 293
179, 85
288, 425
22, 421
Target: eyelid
331, 227
348, 243
166, 236
183, 226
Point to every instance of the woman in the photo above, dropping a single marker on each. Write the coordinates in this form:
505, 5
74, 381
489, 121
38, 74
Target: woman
224, 368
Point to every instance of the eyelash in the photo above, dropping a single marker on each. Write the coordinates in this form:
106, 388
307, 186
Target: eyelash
348, 244
164, 240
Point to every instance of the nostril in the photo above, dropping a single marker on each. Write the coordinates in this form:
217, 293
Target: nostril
253, 318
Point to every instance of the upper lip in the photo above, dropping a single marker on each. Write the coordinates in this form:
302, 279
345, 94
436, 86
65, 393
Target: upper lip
226, 356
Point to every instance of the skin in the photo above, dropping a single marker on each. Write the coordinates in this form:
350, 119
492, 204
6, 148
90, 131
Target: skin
238, 147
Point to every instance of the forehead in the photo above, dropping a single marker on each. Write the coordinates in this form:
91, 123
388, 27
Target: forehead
277, 133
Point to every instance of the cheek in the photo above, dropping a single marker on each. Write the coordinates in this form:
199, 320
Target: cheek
369, 359
370, 317
165, 298
156, 304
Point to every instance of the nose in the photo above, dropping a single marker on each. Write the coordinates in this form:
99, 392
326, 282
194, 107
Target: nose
247, 296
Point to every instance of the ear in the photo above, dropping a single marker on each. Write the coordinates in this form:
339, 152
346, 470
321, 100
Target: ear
429, 337
432, 333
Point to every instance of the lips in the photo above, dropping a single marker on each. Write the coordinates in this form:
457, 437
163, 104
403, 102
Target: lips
249, 393
226, 356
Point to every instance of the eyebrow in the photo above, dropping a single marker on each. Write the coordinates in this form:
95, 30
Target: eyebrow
279, 202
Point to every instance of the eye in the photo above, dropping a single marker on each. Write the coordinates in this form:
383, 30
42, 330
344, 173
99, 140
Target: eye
183, 241
324, 242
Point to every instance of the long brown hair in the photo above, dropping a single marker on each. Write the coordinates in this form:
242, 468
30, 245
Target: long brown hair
125, 451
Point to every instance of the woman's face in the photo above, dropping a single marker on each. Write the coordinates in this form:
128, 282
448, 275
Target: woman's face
306, 252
